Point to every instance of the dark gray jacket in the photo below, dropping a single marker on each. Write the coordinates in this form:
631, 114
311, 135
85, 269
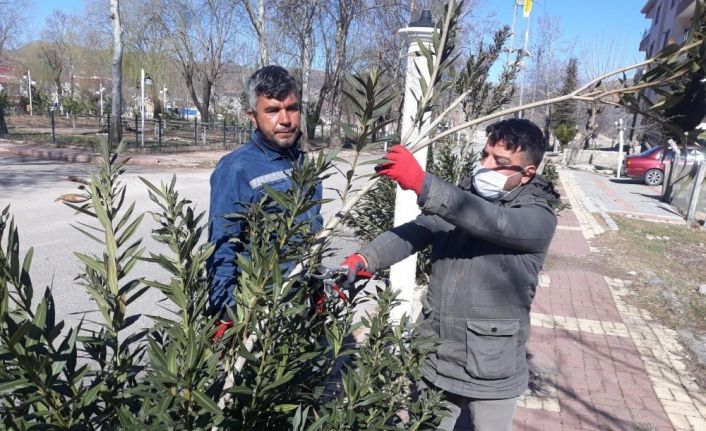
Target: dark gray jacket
486, 258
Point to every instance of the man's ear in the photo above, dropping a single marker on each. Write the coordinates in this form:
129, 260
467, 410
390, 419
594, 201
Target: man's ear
251, 116
528, 173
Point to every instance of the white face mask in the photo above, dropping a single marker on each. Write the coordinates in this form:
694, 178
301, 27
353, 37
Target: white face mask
490, 184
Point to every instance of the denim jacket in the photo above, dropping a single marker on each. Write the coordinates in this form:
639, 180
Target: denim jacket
238, 179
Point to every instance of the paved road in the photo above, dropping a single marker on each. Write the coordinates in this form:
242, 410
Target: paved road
30, 187
623, 197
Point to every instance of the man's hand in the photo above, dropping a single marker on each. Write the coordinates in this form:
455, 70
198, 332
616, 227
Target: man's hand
403, 168
221, 327
357, 267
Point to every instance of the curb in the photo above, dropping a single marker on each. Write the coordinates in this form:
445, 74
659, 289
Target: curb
76, 156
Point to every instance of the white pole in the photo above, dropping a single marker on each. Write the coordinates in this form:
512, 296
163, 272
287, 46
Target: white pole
512, 35
620, 150
403, 274
142, 105
29, 78
524, 64
101, 92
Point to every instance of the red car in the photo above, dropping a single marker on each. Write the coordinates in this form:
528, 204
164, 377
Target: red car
647, 165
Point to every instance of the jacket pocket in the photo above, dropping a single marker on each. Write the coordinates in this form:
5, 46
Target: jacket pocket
491, 348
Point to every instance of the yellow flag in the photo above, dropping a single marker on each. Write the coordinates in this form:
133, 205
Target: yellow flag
527, 8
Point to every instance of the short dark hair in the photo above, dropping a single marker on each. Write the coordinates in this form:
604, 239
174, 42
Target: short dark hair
521, 135
273, 82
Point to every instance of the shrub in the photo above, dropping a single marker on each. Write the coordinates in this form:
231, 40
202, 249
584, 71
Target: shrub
275, 369
565, 134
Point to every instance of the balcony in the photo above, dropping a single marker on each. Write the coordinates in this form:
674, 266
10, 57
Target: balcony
685, 9
644, 40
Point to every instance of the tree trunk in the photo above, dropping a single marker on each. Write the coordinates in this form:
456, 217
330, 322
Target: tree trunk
116, 105
264, 54
307, 54
306, 68
192, 93
3, 125
205, 101
258, 23
57, 82
591, 124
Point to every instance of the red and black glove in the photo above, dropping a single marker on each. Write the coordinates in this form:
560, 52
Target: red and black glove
357, 267
221, 327
403, 168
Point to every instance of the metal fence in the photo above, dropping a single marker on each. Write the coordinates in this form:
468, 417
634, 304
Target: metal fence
170, 133
83, 130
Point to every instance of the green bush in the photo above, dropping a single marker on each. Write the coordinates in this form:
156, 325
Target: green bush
281, 366
565, 134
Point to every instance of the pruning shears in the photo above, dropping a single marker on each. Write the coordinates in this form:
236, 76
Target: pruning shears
333, 280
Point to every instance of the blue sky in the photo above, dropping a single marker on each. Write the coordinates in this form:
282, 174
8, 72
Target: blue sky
41, 9
586, 23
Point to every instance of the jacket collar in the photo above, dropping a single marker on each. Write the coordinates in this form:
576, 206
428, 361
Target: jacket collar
272, 151
538, 187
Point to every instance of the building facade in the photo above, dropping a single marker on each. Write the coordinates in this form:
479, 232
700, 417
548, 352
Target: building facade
670, 23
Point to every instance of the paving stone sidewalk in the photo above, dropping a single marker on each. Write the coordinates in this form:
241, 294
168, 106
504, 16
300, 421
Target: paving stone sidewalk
598, 363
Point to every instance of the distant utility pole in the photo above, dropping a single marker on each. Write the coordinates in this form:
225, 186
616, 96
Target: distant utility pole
621, 135
526, 10
511, 49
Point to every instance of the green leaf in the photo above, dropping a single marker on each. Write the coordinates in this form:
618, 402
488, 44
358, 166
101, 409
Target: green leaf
9, 386
206, 403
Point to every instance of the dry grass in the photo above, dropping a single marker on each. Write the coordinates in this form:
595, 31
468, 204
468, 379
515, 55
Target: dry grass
667, 265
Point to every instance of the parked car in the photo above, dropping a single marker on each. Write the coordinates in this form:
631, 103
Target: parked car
649, 164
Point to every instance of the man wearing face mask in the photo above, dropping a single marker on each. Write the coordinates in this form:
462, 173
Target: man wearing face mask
489, 239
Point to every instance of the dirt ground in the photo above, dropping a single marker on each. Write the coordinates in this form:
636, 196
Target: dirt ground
667, 266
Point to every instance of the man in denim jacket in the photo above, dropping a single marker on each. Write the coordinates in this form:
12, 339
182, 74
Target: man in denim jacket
489, 237
239, 178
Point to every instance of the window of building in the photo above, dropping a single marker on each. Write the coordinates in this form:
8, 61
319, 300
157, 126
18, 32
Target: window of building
666, 39
673, 3
685, 36
651, 50
659, 12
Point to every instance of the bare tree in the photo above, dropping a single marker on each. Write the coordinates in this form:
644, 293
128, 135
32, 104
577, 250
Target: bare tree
11, 22
258, 22
116, 106
203, 34
548, 46
338, 16
296, 19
